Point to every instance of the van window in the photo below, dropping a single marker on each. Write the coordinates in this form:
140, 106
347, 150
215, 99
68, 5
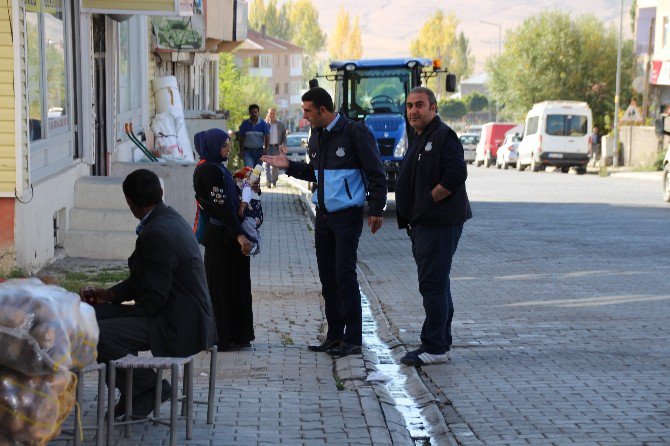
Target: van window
531, 127
566, 125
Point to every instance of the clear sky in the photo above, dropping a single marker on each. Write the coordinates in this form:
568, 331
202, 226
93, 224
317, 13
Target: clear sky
389, 25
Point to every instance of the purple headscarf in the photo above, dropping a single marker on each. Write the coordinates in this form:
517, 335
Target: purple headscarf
208, 144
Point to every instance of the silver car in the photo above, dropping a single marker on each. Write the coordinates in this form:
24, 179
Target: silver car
469, 141
296, 145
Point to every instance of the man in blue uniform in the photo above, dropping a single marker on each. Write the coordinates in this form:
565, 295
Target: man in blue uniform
345, 164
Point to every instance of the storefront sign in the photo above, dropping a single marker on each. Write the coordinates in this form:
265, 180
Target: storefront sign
144, 7
660, 72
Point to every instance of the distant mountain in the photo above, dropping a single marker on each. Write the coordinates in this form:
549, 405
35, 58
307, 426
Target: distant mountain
389, 25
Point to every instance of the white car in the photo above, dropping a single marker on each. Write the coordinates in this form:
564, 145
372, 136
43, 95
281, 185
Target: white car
296, 145
508, 153
469, 141
666, 176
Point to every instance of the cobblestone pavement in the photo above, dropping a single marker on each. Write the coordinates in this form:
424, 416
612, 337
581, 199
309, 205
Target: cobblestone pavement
277, 392
562, 303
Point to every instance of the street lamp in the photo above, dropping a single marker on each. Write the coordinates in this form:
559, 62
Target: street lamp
499, 52
615, 158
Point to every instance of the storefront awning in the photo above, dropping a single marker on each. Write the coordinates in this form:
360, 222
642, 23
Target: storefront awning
135, 7
660, 72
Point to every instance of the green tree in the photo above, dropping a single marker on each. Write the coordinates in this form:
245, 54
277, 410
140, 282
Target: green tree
551, 56
464, 62
452, 109
237, 90
437, 40
307, 34
345, 42
274, 18
476, 102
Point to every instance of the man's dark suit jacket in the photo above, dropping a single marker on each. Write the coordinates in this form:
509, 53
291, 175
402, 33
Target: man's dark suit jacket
167, 282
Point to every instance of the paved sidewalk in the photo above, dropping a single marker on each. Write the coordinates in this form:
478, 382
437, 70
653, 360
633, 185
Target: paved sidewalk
277, 392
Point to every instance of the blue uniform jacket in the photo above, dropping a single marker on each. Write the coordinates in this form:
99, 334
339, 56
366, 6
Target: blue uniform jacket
345, 164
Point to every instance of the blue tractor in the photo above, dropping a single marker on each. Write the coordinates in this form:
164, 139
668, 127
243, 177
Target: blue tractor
374, 91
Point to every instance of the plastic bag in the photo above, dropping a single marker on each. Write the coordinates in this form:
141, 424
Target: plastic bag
32, 408
165, 134
45, 329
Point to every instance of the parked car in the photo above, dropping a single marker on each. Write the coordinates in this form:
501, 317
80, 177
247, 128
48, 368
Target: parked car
491, 138
666, 176
508, 152
469, 141
557, 133
296, 145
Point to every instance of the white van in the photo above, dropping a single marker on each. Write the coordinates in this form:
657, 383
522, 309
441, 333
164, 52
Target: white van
557, 133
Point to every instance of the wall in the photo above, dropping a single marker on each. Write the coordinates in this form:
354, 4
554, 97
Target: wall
34, 229
639, 146
177, 181
7, 261
7, 104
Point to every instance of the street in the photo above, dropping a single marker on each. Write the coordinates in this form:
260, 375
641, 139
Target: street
560, 287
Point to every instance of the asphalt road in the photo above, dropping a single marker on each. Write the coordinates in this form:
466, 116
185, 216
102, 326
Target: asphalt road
562, 301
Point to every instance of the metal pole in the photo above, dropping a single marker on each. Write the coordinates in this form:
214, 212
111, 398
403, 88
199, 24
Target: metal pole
499, 53
615, 158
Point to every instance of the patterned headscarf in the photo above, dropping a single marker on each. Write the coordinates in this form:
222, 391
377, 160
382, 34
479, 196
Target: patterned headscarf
208, 144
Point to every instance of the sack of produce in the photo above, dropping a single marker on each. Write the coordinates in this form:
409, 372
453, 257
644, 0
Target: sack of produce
32, 408
45, 329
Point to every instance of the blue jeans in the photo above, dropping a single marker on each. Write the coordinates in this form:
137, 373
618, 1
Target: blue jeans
252, 157
336, 238
433, 248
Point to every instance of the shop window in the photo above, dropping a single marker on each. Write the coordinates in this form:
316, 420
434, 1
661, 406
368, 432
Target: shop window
48, 87
129, 93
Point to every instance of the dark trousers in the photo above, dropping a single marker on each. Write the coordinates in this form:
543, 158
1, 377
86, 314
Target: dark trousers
433, 248
336, 237
124, 330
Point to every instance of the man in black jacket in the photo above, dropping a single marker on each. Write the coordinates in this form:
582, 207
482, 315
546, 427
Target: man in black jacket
432, 204
172, 313
345, 163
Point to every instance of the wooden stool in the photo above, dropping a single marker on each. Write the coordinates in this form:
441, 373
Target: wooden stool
129, 363
100, 416
212, 386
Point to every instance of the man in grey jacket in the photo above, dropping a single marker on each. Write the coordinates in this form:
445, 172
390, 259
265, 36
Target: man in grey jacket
276, 143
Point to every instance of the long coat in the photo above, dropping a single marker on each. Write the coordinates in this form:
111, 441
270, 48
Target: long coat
167, 282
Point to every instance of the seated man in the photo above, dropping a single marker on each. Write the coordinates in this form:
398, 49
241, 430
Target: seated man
172, 313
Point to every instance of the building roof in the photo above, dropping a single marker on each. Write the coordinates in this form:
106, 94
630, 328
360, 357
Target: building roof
265, 44
480, 79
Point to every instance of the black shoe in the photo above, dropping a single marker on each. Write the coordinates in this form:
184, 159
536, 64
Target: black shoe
325, 346
345, 349
143, 404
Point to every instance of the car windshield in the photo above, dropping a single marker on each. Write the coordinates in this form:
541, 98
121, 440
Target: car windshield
566, 125
294, 140
375, 91
469, 139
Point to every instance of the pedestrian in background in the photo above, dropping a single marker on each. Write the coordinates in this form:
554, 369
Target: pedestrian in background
277, 141
227, 246
345, 163
254, 135
595, 146
432, 204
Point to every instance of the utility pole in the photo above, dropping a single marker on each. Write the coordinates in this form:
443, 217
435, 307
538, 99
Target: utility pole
647, 66
615, 159
499, 53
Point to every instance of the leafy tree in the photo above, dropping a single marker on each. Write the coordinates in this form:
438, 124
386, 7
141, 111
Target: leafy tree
452, 109
551, 56
463, 64
237, 90
476, 102
437, 40
345, 42
274, 18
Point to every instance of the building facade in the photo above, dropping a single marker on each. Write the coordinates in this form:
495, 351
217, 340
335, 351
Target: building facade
72, 73
280, 64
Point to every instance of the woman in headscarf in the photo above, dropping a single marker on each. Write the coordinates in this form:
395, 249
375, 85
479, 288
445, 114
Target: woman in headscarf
226, 245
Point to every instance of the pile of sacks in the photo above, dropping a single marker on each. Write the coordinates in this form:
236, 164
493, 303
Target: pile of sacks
46, 333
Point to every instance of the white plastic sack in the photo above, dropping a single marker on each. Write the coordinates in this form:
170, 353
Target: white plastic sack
165, 137
45, 329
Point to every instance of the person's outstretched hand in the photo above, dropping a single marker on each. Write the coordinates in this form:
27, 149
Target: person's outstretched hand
279, 161
375, 223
